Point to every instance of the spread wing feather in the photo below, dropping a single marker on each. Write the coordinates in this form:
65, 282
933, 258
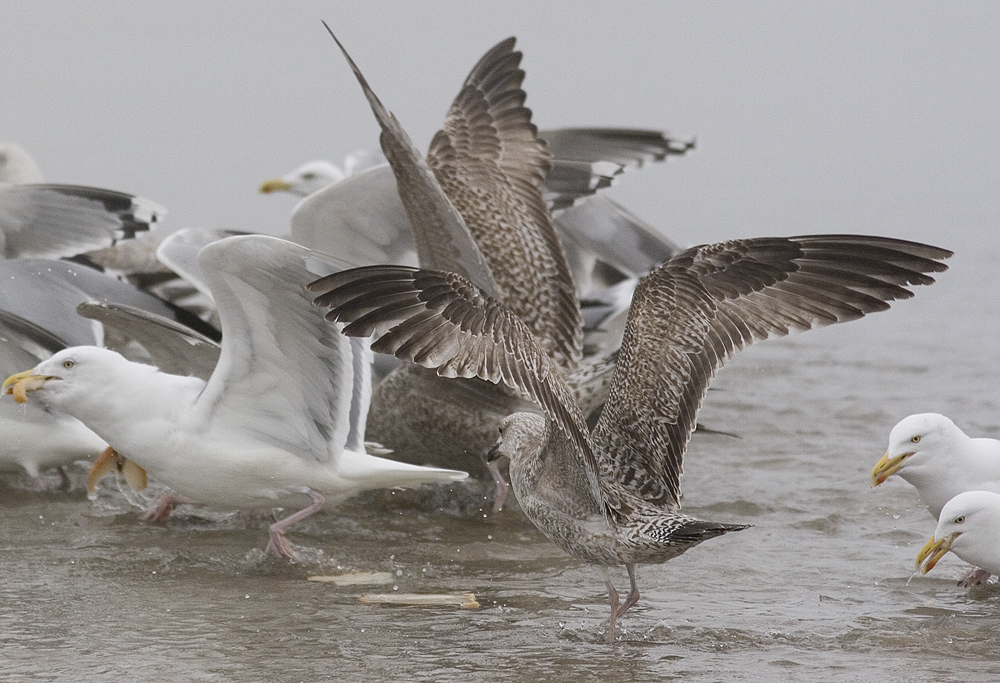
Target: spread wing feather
695, 312
443, 321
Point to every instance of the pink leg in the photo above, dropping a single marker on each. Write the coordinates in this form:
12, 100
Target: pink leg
633, 594
613, 600
163, 506
974, 577
278, 545
503, 489
64, 482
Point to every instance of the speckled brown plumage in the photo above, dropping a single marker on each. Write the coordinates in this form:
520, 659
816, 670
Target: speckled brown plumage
492, 165
476, 207
612, 496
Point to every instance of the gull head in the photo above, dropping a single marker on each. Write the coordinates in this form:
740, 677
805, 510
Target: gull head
69, 374
306, 179
917, 441
969, 526
521, 435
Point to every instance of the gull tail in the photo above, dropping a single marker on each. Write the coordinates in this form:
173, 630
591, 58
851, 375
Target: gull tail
374, 472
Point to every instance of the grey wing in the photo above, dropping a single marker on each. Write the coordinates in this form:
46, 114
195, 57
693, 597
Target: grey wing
442, 321
24, 340
174, 348
492, 165
629, 148
607, 231
47, 293
179, 252
360, 219
590, 159
698, 310
64, 220
439, 231
284, 374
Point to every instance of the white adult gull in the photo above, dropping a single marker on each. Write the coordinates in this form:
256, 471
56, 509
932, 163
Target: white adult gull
940, 461
611, 496
969, 527
280, 422
36, 438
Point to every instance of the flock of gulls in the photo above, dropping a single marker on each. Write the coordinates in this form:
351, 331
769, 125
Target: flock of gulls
431, 317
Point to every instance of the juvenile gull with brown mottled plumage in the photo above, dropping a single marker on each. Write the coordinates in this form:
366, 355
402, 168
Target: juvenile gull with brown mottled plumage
612, 496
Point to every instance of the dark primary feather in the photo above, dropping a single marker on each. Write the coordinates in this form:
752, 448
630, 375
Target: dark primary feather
699, 309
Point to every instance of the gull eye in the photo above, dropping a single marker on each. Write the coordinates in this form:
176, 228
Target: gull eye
915, 439
959, 519
68, 364
308, 176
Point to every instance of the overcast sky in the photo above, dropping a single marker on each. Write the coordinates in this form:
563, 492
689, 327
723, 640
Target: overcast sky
810, 117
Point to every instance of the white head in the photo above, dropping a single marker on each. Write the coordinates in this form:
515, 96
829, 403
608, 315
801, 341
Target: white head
969, 527
918, 444
17, 166
306, 179
74, 378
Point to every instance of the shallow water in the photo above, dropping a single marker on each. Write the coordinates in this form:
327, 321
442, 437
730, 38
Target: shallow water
819, 589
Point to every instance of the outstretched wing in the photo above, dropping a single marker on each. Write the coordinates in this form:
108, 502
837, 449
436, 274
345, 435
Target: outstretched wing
492, 164
52, 221
589, 159
284, 374
442, 321
440, 233
172, 347
695, 312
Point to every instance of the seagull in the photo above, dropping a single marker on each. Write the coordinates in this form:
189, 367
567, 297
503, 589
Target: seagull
53, 221
934, 456
969, 527
611, 496
280, 422
38, 303
34, 437
313, 176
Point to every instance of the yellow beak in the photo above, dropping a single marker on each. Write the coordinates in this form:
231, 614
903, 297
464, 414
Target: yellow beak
21, 383
885, 467
275, 185
934, 551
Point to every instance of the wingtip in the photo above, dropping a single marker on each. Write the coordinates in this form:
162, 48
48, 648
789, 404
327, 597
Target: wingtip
381, 113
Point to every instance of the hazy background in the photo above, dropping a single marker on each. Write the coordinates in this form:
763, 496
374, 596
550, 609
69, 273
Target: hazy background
822, 117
